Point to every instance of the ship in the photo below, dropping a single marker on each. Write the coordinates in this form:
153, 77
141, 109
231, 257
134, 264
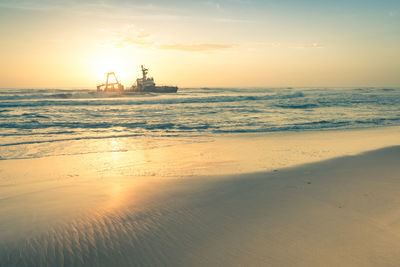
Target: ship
142, 85
147, 84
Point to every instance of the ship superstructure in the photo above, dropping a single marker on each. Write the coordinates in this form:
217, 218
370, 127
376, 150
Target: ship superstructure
147, 84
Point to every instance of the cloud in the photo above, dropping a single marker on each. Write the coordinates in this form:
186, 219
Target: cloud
214, 5
127, 35
105, 9
128, 41
142, 34
194, 47
313, 45
135, 41
29, 6
242, 1
130, 35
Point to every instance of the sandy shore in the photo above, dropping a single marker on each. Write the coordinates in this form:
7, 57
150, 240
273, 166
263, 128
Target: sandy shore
300, 199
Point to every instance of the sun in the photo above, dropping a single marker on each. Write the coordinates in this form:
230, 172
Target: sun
117, 62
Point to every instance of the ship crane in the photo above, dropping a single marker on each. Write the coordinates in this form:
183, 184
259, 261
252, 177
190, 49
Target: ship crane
110, 87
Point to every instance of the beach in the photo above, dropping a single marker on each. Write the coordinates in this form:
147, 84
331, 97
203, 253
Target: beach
199, 133
310, 198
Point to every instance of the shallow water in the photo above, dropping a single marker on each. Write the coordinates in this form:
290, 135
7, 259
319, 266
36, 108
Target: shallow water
36, 123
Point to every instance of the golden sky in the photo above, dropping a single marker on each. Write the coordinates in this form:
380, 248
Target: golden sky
229, 43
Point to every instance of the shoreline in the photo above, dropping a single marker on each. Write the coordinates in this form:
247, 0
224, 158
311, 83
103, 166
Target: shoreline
301, 200
390, 133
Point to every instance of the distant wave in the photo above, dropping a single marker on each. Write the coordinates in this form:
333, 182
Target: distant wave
299, 106
321, 124
130, 101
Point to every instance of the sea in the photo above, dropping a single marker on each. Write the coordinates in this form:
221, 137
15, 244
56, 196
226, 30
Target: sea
47, 122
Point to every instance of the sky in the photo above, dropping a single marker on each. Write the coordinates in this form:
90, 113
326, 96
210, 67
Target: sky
226, 43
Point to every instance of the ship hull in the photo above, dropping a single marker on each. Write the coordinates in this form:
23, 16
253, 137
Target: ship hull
156, 89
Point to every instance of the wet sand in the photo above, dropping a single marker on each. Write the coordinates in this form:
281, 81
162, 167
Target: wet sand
300, 199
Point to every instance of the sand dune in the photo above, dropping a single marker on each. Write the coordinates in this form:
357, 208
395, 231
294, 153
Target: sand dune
339, 212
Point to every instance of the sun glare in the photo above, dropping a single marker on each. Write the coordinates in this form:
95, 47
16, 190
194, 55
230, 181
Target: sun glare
121, 65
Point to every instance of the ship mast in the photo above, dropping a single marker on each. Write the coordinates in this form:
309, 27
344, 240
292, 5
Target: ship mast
144, 71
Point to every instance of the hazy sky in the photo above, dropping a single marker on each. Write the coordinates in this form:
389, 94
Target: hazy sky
240, 43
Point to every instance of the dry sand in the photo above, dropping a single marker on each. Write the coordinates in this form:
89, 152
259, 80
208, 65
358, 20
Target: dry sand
301, 199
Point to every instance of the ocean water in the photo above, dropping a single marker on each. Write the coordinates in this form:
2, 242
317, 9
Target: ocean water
37, 123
